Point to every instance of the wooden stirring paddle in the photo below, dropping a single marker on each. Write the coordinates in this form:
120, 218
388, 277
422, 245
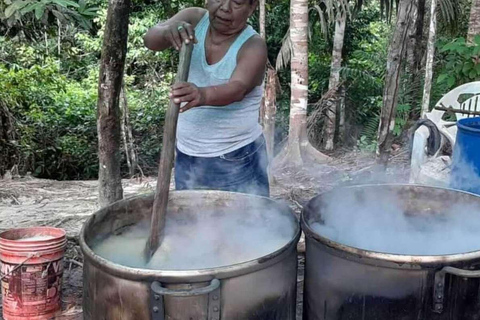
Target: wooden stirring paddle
166, 160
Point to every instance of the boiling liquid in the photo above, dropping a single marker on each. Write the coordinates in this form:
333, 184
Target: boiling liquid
378, 223
212, 240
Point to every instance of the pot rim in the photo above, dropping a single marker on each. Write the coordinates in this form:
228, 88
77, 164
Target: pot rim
400, 259
192, 275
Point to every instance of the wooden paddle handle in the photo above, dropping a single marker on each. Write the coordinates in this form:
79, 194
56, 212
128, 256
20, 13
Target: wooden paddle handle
167, 156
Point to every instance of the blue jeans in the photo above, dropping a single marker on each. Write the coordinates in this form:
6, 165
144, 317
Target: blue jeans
243, 170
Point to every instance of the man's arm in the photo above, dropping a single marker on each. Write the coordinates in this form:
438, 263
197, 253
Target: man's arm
166, 34
248, 74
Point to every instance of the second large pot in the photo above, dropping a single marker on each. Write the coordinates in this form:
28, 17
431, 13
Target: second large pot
346, 283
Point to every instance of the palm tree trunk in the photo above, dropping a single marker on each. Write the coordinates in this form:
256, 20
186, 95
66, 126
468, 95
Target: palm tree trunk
427, 88
334, 81
474, 22
298, 148
395, 58
108, 112
299, 77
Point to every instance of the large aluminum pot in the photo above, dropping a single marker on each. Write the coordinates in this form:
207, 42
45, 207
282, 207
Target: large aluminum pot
260, 289
347, 283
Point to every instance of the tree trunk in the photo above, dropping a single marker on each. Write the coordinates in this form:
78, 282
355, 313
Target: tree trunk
270, 110
261, 117
59, 37
334, 81
298, 149
127, 136
123, 129
262, 19
474, 23
430, 54
415, 52
108, 112
341, 112
392, 79
46, 43
420, 40
411, 49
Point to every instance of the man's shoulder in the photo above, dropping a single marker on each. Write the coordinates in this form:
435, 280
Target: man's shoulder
255, 45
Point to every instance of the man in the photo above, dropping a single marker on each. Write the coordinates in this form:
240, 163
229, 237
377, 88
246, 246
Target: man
220, 145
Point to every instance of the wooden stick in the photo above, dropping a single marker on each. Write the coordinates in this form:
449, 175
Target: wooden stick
166, 160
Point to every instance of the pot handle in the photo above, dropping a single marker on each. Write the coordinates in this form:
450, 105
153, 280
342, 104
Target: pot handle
158, 292
157, 288
439, 285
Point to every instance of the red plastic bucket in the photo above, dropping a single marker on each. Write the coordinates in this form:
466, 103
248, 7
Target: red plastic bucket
31, 272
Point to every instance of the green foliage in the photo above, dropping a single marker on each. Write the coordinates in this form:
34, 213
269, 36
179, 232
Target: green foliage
461, 62
401, 119
34, 16
364, 73
368, 134
55, 120
49, 65
147, 115
365, 144
50, 88
276, 25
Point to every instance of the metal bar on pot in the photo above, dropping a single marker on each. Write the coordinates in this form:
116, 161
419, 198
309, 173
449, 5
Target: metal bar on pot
439, 288
159, 289
158, 292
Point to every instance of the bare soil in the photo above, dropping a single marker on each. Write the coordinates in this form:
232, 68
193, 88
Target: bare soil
67, 204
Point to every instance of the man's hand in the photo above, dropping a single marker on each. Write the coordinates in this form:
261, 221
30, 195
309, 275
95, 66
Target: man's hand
189, 93
178, 32
171, 33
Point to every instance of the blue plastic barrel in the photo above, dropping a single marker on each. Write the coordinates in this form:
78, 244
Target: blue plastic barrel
466, 156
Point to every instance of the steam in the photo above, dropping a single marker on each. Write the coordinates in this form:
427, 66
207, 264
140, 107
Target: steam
199, 238
379, 221
211, 239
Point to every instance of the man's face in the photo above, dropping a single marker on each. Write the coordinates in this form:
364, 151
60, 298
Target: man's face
230, 16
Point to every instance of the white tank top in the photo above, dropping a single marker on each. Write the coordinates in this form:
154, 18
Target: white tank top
211, 131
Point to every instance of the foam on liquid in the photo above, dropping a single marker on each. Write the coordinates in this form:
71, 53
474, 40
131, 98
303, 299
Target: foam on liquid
212, 240
378, 223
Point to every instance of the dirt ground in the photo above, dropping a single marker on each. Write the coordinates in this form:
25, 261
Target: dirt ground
67, 204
